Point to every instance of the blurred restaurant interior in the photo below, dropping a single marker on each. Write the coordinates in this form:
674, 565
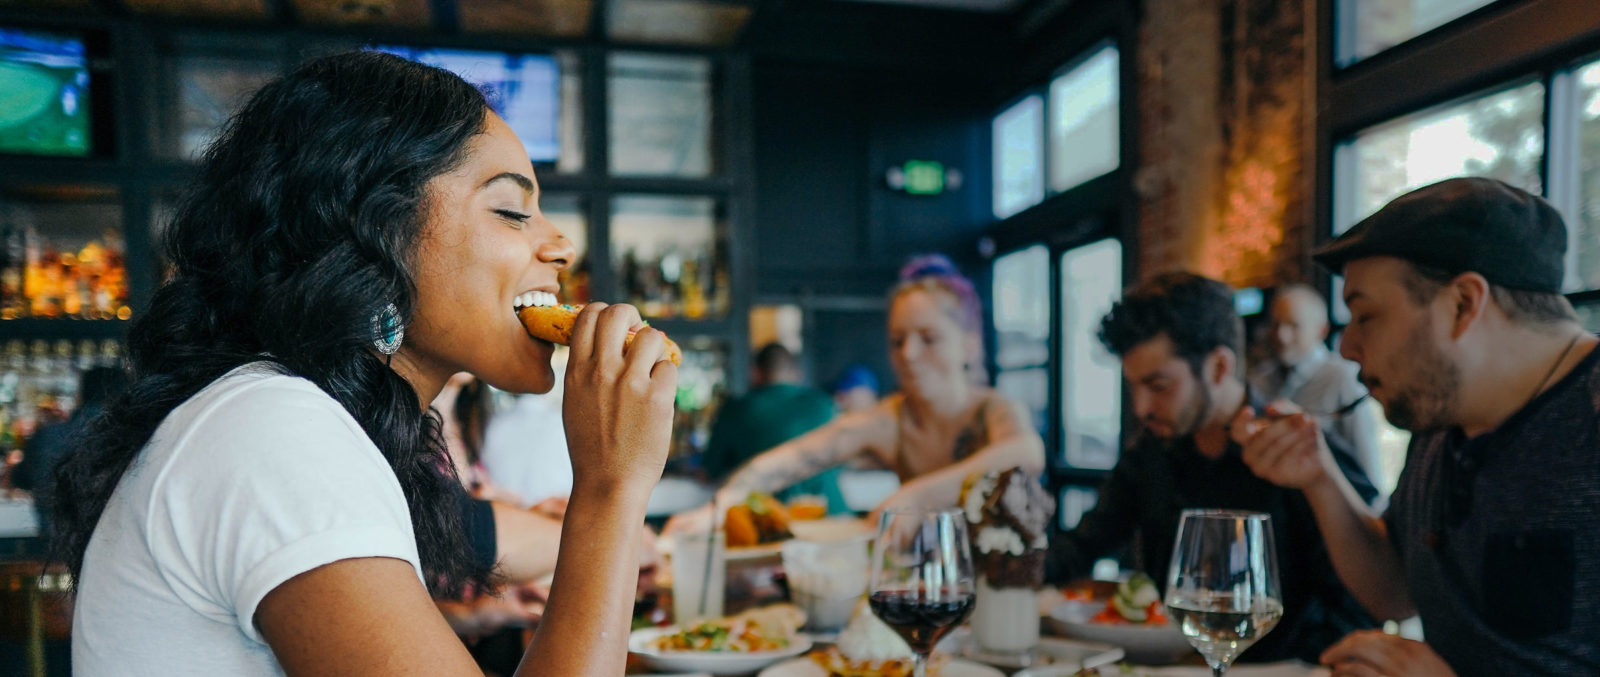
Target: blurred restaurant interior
756, 171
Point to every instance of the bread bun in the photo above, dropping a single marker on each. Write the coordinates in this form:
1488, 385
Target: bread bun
554, 324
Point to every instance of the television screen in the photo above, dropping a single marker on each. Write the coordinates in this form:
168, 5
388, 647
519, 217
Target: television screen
525, 89
44, 93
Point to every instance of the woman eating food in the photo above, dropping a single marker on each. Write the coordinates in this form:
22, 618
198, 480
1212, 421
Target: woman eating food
272, 495
943, 425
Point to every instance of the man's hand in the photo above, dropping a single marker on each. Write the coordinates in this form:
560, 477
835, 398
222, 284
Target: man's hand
1283, 447
1371, 653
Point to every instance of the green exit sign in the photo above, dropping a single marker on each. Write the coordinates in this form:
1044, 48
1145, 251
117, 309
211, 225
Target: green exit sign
924, 177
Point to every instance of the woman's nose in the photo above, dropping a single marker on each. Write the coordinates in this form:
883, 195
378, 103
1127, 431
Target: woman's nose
558, 252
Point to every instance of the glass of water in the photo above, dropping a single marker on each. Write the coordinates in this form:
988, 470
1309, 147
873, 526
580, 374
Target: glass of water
1222, 587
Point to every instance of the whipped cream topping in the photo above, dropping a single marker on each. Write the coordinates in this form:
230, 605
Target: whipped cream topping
865, 638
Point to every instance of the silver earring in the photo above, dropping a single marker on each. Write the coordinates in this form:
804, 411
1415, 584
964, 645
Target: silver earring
387, 331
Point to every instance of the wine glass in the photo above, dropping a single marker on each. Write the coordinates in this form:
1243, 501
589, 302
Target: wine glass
1222, 587
922, 579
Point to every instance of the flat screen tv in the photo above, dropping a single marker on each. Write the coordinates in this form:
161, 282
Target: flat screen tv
44, 93
525, 89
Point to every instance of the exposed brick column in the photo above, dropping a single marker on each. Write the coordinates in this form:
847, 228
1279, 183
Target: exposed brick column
1224, 155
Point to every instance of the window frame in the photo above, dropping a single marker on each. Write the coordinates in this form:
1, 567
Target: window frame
1535, 39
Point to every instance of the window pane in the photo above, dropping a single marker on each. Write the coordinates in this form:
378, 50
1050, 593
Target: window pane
565, 212
1091, 379
1587, 241
1367, 27
210, 90
670, 255
660, 115
1500, 135
1075, 501
1030, 388
571, 124
1084, 137
1019, 157
1022, 308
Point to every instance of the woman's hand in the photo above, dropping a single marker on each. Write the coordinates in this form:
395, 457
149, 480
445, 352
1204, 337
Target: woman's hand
1371, 653
617, 409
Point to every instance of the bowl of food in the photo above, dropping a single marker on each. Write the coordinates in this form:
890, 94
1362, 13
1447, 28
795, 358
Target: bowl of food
731, 645
1133, 618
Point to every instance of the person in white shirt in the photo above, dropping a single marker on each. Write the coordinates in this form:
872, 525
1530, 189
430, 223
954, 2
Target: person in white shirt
271, 495
524, 450
1303, 371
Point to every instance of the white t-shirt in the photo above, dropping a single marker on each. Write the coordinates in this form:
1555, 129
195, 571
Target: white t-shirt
525, 449
257, 478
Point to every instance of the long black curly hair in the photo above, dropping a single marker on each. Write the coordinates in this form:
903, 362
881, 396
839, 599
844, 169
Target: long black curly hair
302, 224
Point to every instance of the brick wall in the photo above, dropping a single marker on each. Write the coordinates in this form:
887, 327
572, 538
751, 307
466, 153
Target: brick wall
1224, 146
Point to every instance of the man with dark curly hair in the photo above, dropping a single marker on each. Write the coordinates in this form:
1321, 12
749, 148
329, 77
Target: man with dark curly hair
1181, 343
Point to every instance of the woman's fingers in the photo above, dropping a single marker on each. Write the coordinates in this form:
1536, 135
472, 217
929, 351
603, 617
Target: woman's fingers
583, 332
611, 335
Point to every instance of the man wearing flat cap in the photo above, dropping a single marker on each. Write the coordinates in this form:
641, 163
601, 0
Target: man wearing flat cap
1493, 534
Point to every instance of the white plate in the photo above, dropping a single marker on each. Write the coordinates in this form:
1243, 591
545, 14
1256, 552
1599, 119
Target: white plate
714, 662
1151, 644
1051, 650
805, 667
1286, 669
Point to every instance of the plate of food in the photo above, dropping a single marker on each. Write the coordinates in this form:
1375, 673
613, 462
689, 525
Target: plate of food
869, 648
806, 667
1133, 618
731, 645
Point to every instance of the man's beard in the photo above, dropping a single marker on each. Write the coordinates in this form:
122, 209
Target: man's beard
1188, 421
1427, 402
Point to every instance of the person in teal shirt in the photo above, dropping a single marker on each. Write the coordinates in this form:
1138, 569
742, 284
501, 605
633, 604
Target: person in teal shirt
776, 409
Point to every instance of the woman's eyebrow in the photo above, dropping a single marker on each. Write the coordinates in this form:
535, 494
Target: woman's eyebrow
523, 181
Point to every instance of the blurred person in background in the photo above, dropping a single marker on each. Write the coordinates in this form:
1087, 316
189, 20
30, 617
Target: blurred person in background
776, 409
855, 390
524, 449
944, 424
97, 386
1303, 371
1180, 340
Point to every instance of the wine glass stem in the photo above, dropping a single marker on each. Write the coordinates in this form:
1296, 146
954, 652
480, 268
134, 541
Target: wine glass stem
919, 665
1217, 671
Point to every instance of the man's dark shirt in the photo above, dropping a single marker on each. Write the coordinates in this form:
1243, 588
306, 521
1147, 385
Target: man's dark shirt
1499, 536
1144, 498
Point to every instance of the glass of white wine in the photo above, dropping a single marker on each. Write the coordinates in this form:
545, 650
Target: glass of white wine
1222, 587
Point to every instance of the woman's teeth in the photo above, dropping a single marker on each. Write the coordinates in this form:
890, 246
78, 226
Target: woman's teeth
534, 299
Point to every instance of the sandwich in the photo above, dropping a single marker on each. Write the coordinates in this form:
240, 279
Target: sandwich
550, 321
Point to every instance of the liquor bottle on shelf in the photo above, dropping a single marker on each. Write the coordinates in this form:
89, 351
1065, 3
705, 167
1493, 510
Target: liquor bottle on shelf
38, 279
12, 263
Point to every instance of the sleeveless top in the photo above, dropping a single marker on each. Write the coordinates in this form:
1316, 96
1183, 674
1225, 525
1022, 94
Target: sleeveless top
969, 440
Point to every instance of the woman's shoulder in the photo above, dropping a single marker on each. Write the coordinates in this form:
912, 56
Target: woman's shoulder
260, 404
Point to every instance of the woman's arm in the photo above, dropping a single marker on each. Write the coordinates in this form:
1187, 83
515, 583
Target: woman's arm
526, 541
371, 616
1012, 443
802, 457
776, 469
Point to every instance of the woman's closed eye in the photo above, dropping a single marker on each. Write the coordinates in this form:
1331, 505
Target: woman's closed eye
516, 218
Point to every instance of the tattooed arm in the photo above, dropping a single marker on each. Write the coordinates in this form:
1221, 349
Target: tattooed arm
849, 436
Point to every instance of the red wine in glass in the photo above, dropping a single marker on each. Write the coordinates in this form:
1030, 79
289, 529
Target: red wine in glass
922, 580
921, 621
